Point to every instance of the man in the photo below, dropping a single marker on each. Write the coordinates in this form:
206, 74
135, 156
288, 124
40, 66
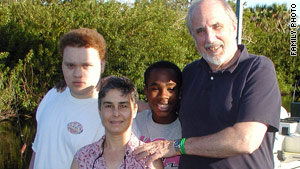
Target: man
230, 99
69, 120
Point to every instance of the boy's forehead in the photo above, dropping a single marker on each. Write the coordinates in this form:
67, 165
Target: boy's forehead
163, 73
81, 54
155, 70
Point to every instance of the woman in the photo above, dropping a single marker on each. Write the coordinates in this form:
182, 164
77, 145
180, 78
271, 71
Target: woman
117, 107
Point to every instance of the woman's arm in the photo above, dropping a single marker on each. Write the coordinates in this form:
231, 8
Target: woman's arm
158, 164
74, 164
31, 165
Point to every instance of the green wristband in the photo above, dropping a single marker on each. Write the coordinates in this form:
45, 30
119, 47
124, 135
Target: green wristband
182, 146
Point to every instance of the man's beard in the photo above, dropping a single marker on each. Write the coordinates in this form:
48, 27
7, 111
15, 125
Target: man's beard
214, 59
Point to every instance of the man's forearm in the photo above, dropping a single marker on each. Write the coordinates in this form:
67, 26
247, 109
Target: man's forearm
242, 138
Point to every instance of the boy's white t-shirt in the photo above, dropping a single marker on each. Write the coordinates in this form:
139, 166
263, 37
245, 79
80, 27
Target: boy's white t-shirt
64, 125
147, 131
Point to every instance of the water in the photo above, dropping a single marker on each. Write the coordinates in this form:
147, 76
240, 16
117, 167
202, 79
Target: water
10, 142
286, 102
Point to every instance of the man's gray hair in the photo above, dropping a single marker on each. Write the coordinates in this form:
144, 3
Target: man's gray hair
224, 3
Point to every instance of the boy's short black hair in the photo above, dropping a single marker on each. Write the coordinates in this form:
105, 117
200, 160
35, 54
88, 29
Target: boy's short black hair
121, 83
163, 65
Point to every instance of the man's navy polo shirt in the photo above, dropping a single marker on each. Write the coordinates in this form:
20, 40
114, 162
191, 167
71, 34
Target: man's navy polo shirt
211, 101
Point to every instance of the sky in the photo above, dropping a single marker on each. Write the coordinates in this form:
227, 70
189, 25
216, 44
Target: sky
253, 3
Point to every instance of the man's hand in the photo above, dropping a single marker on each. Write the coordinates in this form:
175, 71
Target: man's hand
155, 150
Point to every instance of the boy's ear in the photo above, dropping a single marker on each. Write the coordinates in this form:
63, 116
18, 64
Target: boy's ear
145, 91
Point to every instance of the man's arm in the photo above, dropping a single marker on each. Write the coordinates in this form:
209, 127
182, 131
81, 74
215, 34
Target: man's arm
242, 138
31, 164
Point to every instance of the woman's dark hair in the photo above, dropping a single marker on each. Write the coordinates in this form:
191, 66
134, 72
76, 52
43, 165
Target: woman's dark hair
121, 83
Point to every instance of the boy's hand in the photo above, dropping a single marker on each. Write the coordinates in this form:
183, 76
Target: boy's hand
60, 86
155, 150
103, 81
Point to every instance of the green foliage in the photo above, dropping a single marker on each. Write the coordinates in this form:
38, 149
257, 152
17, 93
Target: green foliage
143, 34
266, 32
13, 87
137, 35
10, 144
